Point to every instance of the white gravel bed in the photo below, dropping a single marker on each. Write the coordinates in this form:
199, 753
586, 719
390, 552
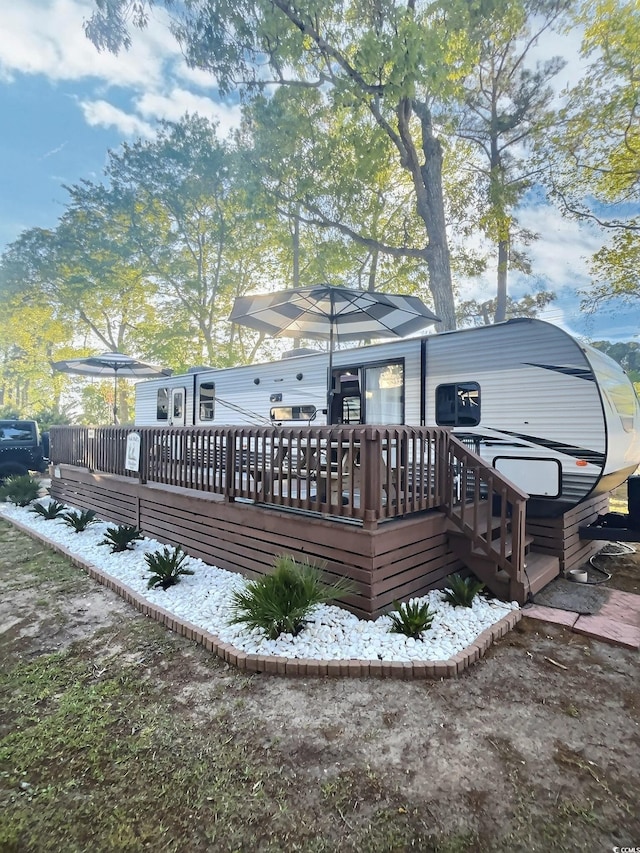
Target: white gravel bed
204, 599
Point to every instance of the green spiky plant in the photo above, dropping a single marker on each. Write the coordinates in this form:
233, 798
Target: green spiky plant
167, 567
411, 618
461, 591
121, 538
53, 509
20, 490
79, 520
280, 602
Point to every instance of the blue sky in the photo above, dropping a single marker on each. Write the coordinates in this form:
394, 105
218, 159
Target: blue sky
64, 105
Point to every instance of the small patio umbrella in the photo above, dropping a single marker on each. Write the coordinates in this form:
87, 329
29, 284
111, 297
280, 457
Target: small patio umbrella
108, 364
332, 313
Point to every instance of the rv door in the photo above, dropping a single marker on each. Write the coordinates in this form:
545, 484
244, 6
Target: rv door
178, 407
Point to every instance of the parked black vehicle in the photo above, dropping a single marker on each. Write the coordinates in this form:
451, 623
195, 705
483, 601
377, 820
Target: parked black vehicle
22, 448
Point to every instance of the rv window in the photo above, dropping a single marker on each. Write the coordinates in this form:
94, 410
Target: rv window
293, 413
458, 404
177, 405
163, 404
622, 397
207, 401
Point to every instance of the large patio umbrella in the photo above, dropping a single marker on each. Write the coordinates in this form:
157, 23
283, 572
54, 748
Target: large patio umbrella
332, 313
114, 364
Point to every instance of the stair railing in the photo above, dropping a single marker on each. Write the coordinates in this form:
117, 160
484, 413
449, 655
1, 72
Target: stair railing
475, 495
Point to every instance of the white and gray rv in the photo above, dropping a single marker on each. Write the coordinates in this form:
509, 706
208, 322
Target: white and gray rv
556, 417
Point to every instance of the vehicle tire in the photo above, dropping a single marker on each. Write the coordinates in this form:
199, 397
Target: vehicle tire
11, 469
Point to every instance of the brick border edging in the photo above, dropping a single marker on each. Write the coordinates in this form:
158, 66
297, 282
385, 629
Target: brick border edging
271, 664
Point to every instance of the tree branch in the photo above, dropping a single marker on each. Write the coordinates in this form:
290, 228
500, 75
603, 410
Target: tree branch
326, 49
587, 214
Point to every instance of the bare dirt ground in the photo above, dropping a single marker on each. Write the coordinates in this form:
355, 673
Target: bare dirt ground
118, 735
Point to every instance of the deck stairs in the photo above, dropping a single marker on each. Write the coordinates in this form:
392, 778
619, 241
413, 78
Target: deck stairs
490, 561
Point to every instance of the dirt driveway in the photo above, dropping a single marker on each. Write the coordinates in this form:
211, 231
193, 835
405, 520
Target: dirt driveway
118, 735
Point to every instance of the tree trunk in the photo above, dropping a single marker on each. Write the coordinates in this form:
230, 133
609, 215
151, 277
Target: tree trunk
503, 268
296, 247
373, 270
430, 205
427, 180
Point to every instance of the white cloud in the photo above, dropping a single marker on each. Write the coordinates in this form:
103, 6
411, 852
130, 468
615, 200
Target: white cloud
55, 150
48, 39
103, 114
562, 252
559, 261
45, 37
173, 105
567, 46
200, 78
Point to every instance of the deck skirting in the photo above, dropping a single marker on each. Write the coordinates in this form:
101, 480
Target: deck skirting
561, 536
401, 558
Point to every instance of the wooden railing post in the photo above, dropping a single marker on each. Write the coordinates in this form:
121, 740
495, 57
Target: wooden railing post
408, 465
370, 463
446, 470
143, 463
518, 531
229, 466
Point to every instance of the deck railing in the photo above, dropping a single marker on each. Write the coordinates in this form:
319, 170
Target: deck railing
489, 509
365, 473
360, 473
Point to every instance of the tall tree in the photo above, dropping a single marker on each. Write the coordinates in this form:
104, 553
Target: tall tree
330, 173
94, 298
594, 170
393, 60
189, 229
507, 109
30, 337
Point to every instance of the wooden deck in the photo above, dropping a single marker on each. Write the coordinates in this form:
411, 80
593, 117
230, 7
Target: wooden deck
394, 509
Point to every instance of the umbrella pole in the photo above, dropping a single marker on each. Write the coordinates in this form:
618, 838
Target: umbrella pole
115, 396
330, 387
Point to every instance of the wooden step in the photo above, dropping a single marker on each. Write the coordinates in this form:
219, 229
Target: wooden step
485, 523
539, 570
461, 539
508, 545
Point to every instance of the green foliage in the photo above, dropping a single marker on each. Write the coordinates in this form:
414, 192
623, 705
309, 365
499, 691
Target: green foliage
411, 618
280, 602
626, 353
121, 538
167, 567
79, 520
475, 313
507, 112
47, 418
53, 509
593, 162
395, 68
9, 413
20, 490
461, 591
